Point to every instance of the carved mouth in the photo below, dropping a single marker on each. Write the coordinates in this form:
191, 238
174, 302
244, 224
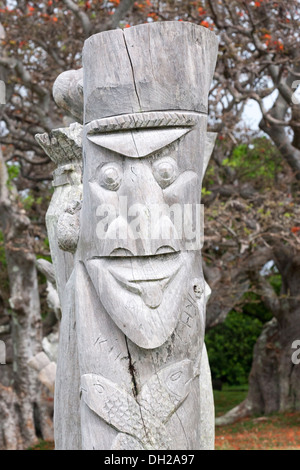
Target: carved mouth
142, 268
145, 276
152, 268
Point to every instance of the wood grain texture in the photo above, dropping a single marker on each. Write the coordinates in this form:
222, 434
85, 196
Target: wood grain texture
171, 83
149, 67
64, 147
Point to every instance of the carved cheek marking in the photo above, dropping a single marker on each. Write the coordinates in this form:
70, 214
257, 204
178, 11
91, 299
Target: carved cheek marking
184, 182
102, 200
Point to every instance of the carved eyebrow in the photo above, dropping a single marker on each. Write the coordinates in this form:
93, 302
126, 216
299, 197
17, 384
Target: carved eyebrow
138, 143
147, 120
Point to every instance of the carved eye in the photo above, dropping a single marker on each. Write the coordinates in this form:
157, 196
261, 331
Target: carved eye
176, 376
99, 388
165, 171
111, 176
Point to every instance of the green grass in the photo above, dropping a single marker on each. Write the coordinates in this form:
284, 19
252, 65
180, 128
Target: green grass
43, 445
280, 431
277, 431
229, 397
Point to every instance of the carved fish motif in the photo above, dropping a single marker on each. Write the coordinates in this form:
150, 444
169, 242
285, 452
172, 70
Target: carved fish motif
166, 390
142, 421
121, 411
126, 442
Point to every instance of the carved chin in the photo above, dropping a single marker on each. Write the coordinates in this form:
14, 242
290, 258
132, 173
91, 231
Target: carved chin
143, 296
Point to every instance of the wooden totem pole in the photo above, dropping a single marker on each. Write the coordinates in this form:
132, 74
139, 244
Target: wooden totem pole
133, 371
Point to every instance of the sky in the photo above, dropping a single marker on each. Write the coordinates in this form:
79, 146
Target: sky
252, 114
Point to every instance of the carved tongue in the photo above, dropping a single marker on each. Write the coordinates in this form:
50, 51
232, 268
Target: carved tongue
152, 293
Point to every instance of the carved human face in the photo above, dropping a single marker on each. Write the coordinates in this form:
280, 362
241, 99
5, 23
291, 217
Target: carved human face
139, 254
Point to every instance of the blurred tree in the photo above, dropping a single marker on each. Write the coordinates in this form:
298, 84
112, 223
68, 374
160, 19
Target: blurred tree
260, 43
230, 344
245, 231
21, 397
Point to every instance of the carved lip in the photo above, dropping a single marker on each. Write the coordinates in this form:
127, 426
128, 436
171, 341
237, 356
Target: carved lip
138, 269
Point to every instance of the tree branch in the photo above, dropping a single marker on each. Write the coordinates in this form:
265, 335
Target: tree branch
119, 14
4, 193
24, 75
83, 17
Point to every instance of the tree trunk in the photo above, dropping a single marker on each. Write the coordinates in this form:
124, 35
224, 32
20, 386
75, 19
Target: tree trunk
274, 382
23, 406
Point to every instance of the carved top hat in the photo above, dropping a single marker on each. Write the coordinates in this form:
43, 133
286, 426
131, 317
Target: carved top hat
163, 66
157, 67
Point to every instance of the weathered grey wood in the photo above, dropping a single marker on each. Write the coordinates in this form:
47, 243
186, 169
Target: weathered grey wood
47, 369
64, 147
68, 92
141, 72
207, 408
39, 361
134, 305
47, 376
171, 63
209, 146
53, 301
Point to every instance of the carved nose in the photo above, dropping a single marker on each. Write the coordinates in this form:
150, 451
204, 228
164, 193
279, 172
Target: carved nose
144, 221
139, 184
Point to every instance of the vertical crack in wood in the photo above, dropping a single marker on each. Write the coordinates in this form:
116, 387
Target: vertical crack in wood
135, 388
132, 69
131, 370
